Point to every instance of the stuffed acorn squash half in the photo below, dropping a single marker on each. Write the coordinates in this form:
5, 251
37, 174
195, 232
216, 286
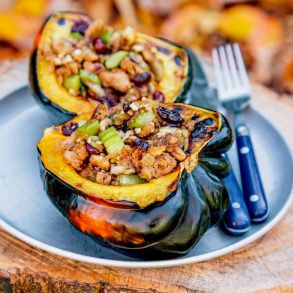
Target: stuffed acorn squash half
79, 63
142, 177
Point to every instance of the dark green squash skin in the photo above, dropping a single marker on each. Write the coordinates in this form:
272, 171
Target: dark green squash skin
152, 223
195, 222
218, 164
170, 228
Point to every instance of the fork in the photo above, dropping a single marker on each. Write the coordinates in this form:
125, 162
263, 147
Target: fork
234, 92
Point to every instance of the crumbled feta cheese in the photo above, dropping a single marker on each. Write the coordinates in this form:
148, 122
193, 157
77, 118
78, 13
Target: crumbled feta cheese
137, 47
185, 133
57, 61
76, 52
117, 170
137, 130
133, 106
81, 122
129, 34
121, 134
164, 130
104, 124
67, 59
127, 135
72, 92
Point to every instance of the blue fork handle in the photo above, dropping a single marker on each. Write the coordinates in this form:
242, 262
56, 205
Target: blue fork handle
236, 219
254, 194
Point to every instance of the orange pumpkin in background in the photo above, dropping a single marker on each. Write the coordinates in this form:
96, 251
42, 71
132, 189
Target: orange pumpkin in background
263, 29
18, 22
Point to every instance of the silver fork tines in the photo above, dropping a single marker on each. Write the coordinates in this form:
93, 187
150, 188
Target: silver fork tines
232, 80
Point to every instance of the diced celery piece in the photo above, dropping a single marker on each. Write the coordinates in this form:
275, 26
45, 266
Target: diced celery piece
142, 119
76, 36
115, 59
96, 88
105, 36
130, 180
86, 76
109, 135
110, 130
95, 142
72, 82
115, 147
111, 140
90, 128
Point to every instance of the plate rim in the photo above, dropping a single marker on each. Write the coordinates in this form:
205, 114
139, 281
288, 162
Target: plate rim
156, 263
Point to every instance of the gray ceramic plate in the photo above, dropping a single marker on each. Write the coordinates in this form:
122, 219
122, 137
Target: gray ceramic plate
27, 213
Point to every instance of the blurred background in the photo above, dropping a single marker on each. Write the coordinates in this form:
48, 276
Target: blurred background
263, 28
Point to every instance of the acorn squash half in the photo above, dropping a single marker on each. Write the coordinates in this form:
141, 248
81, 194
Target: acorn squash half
163, 218
176, 69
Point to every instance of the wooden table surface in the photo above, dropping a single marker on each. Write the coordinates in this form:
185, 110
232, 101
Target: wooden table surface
265, 265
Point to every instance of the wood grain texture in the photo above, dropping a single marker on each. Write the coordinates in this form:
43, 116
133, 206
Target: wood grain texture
264, 266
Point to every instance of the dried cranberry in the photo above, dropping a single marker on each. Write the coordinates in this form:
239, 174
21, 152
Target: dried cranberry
109, 101
141, 78
110, 92
100, 46
111, 98
61, 21
123, 126
126, 107
159, 96
68, 129
92, 150
195, 117
80, 26
97, 67
200, 132
170, 116
141, 144
164, 50
177, 60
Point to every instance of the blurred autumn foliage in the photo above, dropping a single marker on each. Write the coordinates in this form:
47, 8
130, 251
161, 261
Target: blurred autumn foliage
264, 28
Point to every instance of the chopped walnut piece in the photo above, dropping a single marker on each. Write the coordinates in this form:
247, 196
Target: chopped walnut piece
178, 153
164, 164
76, 156
94, 29
101, 111
100, 161
156, 150
147, 130
116, 79
147, 160
103, 178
